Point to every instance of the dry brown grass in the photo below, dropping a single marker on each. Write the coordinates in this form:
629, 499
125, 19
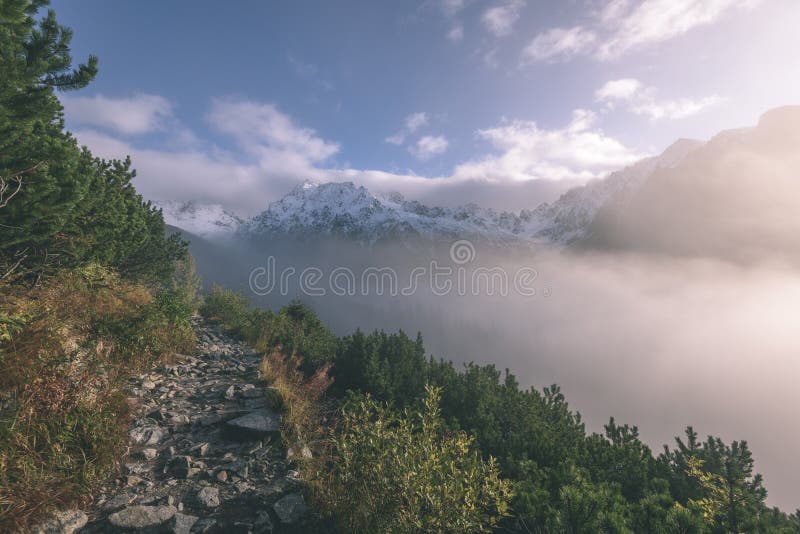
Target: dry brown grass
65, 349
301, 397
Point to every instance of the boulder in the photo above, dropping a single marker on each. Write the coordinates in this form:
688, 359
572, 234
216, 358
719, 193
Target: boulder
147, 434
142, 517
64, 522
208, 497
257, 424
182, 523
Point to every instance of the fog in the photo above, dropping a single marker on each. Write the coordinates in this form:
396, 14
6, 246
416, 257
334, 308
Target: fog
660, 342
680, 308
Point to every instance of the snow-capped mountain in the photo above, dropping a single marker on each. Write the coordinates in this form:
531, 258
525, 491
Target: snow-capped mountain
346, 210
349, 211
204, 220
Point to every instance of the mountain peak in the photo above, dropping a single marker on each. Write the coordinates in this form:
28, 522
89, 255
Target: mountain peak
202, 219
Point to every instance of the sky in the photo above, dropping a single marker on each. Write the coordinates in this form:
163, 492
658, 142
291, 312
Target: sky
506, 103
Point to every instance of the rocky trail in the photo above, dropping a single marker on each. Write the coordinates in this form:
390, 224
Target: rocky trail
206, 454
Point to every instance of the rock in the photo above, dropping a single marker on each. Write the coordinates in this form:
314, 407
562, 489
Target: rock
222, 476
208, 497
230, 393
132, 480
263, 523
64, 522
181, 467
147, 434
256, 424
142, 517
251, 393
206, 524
290, 509
182, 523
137, 469
120, 501
148, 454
148, 384
208, 420
201, 449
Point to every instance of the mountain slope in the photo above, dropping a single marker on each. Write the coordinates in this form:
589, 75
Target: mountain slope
737, 197
205, 220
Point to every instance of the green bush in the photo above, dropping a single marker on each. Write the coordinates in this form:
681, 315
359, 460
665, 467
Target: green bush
295, 328
405, 472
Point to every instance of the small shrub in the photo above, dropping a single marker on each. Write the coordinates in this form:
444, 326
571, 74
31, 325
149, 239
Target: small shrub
299, 395
393, 472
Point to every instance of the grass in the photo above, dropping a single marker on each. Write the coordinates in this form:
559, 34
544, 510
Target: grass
66, 348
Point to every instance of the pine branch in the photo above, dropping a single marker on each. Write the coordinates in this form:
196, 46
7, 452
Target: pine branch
7, 190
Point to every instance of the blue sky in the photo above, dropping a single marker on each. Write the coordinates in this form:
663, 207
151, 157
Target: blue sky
501, 102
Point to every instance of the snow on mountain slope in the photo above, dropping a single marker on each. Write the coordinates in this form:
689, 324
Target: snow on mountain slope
204, 220
345, 210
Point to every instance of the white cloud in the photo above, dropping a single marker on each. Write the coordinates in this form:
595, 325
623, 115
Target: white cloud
642, 100
135, 115
271, 153
456, 33
411, 124
527, 152
428, 146
623, 89
653, 21
559, 44
500, 19
675, 109
263, 130
625, 25
415, 121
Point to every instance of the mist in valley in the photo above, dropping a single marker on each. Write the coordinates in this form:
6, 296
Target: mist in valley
658, 341
678, 308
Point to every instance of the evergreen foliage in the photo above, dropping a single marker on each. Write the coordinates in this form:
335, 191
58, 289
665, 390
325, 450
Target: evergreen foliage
59, 205
562, 478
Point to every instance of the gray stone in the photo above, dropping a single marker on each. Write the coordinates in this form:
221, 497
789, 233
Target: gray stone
182, 523
181, 467
141, 517
208, 497
148, 454
256, 424
290, 509
147, 434
252, 393
64, 522
120, 501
